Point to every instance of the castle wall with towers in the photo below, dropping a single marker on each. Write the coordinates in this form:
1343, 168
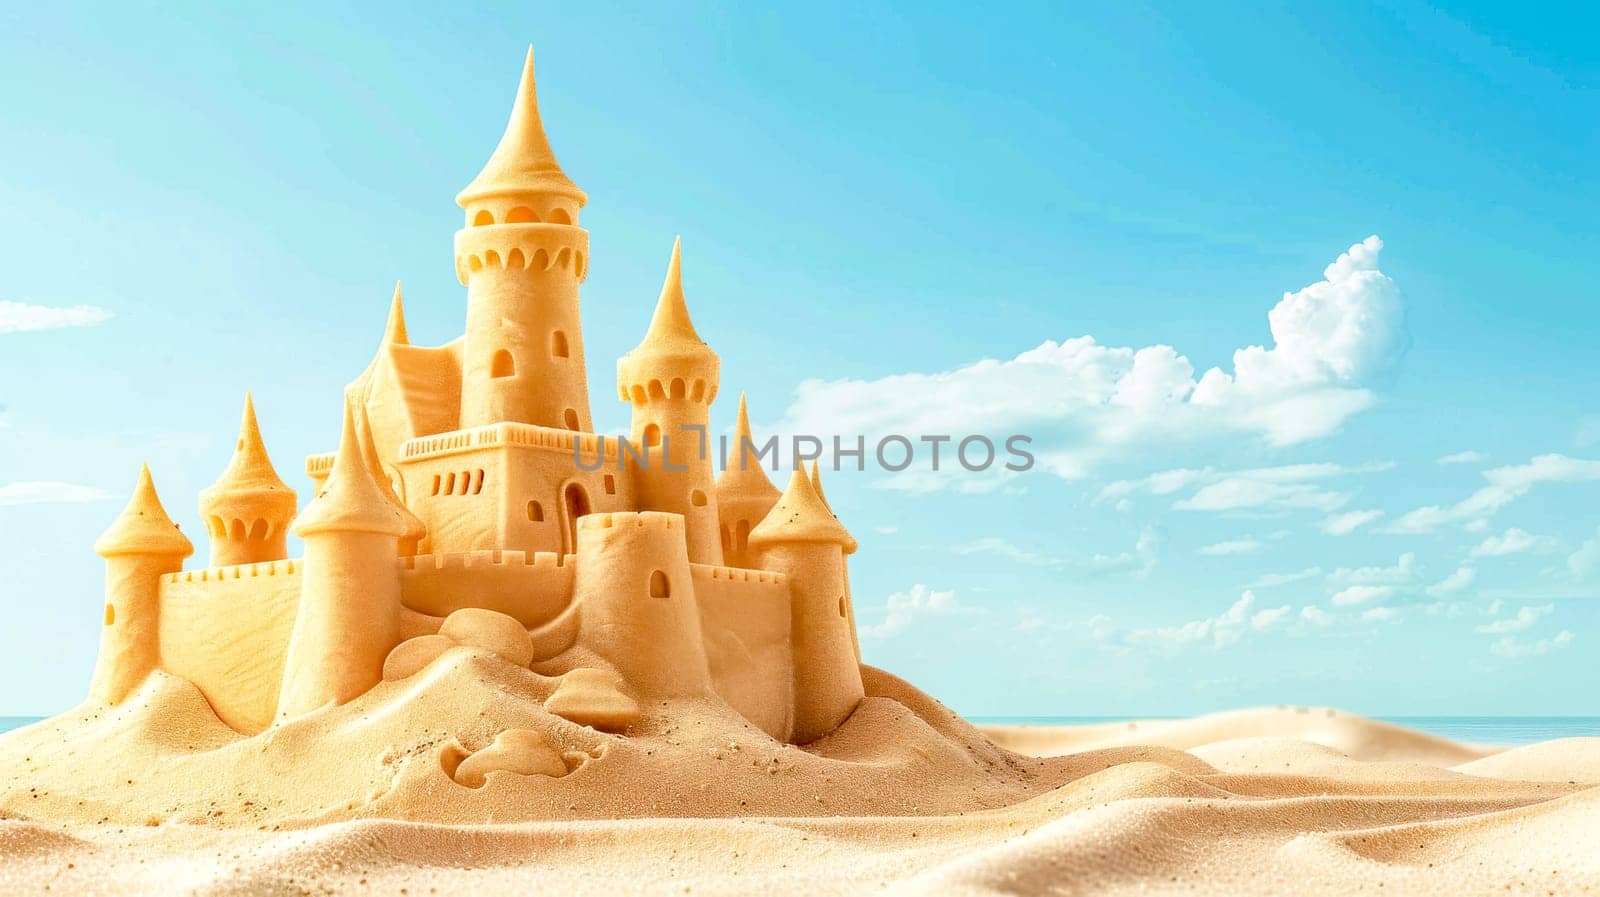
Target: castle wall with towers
468, 477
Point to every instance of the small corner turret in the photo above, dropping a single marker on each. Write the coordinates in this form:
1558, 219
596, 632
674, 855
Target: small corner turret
141, 545
671, 379
248, 509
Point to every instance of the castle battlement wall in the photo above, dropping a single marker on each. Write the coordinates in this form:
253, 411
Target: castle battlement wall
745, 621
226, 629
532, 587
522, 246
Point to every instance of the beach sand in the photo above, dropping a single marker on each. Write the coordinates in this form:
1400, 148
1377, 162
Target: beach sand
158, 797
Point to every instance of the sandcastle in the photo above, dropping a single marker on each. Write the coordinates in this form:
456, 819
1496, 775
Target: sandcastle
470, 506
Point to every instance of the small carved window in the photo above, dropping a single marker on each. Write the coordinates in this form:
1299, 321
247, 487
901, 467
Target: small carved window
535, 512
559, 216
521, 215
502, 365
570, 417
697, 498
477, 483
611, 484
558, 344
659, 586
842, 606
652, 435
436, 484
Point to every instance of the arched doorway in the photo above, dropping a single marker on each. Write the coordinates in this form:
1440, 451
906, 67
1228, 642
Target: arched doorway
574, 504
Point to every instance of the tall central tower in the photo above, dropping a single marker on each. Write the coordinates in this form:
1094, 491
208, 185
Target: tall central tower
521, 257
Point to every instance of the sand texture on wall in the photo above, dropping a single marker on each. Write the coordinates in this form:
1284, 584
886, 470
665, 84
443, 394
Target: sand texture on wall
456, 780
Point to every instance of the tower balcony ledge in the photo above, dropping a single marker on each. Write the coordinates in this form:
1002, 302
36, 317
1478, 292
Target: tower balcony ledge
530, 246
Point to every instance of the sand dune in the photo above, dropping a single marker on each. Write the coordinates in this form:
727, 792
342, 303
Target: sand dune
157, 796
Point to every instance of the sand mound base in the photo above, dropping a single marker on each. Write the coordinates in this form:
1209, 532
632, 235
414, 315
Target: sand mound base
457, 780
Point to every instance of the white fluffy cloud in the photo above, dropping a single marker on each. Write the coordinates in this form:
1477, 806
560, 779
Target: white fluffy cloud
1524, 619
905, 608
45, 492
1515, 541
1511, 647
23, 317
1505, 485
1084, 402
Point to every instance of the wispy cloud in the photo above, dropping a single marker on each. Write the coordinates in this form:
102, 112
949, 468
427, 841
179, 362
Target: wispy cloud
1273, 580
1524, 619
1468, 457
25, 317
1348, 522
1515, 541
1403, 571
1002, 548
1511, 647
46, 492
1505, 485
1261, 490
1233, 546
1220, 631
1352, 595
1456, 582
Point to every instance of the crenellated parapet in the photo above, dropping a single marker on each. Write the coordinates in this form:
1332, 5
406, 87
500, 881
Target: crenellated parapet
261, 570
522, 247
532, 587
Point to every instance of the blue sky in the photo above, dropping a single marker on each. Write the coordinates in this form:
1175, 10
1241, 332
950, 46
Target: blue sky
1390, 506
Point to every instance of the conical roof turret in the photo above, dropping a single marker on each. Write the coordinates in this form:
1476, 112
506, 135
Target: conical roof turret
523, 162
801, 516
743, 478
671, 346
352, 501
415, 529
143, 527
249, 479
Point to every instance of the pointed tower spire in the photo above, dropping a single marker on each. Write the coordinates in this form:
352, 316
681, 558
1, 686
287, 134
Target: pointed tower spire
802, 516
250, 469
415, 529
143, 527
523, 162
743, 474
670, 325
394, 332
352, 501
671, 346
816, 484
